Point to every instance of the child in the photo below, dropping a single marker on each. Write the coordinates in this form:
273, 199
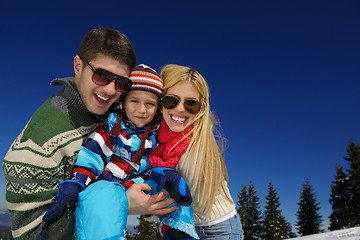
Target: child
117, 152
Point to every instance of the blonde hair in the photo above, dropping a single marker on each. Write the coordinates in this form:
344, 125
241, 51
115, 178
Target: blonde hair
202, 165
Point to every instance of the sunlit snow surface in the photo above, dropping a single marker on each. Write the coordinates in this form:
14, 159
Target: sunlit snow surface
345, 234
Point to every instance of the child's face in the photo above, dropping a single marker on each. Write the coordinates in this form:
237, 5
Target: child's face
140, 107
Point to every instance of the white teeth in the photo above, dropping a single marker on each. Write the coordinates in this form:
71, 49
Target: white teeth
178, 119
101, 97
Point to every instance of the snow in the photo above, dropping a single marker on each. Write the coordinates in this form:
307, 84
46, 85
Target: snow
344, 234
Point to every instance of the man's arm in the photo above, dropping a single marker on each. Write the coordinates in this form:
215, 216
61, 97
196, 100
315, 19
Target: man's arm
144, 204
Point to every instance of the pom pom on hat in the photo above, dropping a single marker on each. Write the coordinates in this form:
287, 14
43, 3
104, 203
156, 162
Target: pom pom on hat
145, 78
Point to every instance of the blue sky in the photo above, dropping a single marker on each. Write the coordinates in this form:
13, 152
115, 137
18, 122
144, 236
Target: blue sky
284, 76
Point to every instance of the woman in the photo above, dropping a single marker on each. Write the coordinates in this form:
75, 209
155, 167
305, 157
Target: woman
186, 105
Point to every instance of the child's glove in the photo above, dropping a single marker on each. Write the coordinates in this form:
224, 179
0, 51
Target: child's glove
169, 179
67, 194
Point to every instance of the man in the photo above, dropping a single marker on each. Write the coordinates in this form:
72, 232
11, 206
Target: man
44, 152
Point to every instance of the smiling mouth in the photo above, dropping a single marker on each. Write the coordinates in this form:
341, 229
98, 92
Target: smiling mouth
101, 97
178, 119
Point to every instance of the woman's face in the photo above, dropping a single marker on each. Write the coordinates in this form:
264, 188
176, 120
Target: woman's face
178, 119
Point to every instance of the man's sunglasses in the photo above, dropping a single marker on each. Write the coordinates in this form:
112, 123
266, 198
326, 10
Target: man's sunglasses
103, 77
191, 105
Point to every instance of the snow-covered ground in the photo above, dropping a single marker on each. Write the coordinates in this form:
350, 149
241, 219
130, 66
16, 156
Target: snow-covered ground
345, 234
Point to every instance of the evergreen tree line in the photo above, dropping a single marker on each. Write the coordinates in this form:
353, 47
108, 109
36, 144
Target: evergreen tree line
270, 224
345, 192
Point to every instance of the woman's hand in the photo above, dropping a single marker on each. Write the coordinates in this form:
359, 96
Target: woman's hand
141, 203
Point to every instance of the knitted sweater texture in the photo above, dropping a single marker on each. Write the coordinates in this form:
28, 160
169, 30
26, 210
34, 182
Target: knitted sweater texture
43, 155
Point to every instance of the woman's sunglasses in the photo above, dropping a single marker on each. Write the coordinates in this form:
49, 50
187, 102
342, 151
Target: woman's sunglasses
103, 77
191, 105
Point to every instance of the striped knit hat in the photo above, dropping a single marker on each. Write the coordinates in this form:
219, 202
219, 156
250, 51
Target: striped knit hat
145, 78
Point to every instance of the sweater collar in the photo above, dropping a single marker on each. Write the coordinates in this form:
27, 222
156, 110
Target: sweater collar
70, 102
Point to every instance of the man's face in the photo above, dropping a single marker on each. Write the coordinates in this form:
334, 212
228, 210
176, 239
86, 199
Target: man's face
97, 99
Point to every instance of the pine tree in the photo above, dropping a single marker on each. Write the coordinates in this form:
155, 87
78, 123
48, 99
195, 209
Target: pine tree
274, 224
129, 235
255, 217
243, 208
250, 213
147, 230
353, 151
309, 220
339, 200
290, 232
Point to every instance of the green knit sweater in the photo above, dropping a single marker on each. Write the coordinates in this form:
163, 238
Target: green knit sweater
43, 155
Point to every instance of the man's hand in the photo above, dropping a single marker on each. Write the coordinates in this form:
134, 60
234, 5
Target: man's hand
141, 203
